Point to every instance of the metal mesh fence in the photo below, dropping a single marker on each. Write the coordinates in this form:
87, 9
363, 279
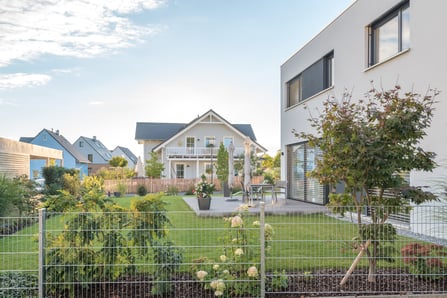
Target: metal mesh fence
125, 254
18, 256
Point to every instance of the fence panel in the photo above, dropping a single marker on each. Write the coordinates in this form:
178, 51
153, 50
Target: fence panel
18, 256
122, 254
163, 184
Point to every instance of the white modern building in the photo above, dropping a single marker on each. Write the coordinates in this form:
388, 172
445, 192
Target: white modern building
386, 42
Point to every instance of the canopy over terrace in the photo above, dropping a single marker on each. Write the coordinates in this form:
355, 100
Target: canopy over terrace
15, 157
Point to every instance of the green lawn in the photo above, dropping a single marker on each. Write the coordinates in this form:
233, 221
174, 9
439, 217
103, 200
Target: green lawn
299, 243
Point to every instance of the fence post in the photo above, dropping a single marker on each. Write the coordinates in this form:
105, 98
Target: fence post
41, 253
262, 242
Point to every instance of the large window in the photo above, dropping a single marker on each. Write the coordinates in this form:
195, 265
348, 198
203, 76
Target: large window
314, 79
390, 34
301, 159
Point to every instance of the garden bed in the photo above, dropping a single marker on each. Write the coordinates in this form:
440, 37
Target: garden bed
318, 283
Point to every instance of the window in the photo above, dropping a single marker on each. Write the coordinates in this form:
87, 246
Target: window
180, 170
90, 157
190, 144
314, 79
227, 141
81, 144
210, 141
390, 34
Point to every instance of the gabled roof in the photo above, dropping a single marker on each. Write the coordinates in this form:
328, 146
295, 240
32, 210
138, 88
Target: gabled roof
156, 130
128, 153
98, 146
165, 131
66, 145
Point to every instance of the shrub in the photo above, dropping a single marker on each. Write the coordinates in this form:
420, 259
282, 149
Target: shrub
17, 285
141, 190
236, 273
95, 241
425, 260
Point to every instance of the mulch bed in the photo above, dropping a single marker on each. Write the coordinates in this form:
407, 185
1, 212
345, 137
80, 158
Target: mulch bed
320, 283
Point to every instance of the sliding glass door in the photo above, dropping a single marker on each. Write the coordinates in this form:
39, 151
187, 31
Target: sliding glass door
301, 159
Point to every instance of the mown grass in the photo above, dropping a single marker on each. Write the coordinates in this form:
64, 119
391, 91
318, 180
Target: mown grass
300, 242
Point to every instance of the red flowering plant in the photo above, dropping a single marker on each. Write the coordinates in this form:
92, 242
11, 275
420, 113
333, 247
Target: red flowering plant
428, 261
203, 189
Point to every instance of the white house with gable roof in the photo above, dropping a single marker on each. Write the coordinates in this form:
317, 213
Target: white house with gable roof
189, 150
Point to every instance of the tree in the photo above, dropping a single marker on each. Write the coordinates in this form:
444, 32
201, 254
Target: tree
118, 161
154, 168
222, 170
54, 178
365, 145
271, 167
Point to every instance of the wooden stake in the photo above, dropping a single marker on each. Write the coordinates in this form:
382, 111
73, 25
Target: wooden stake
364, 247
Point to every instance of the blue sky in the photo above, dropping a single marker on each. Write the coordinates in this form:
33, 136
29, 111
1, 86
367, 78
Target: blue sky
95, 68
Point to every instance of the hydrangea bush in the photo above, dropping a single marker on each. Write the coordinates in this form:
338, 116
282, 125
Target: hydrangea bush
235, 271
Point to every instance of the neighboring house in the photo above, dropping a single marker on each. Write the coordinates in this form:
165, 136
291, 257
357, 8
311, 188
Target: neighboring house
127, 154
72, 159
95, 151
188, 150
381, 41
16, 157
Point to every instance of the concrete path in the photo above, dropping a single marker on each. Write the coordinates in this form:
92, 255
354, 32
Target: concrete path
221, 206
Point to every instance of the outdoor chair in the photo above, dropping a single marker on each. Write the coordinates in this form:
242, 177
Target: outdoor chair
280, 188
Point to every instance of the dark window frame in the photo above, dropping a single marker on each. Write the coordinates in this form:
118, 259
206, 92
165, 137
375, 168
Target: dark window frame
314, 79
373, 42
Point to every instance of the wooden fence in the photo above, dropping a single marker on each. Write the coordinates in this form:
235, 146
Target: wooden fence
163, 185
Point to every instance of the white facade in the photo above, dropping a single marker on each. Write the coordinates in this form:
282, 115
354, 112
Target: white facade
416, 66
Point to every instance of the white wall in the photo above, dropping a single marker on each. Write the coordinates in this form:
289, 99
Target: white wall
421, 67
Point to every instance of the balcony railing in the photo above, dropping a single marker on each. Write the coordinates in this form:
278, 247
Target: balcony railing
197, 152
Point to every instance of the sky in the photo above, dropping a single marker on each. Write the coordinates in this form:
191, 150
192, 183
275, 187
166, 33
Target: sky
97, 67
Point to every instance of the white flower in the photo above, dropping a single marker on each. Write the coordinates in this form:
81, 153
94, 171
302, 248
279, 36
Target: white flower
216, 267
217, 285
239, 252
218, 293
234, 240
223, 258
226, 271
268, 232
236, 222
252, 271
256, 223
201, 274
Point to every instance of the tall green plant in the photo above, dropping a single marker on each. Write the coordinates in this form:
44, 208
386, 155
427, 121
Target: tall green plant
222, 170
154, 168
365, 145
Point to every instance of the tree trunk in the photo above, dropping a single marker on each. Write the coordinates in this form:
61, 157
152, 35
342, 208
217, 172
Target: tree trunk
226, 189
373, 263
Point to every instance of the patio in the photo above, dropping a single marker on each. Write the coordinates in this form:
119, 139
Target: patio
222, 206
